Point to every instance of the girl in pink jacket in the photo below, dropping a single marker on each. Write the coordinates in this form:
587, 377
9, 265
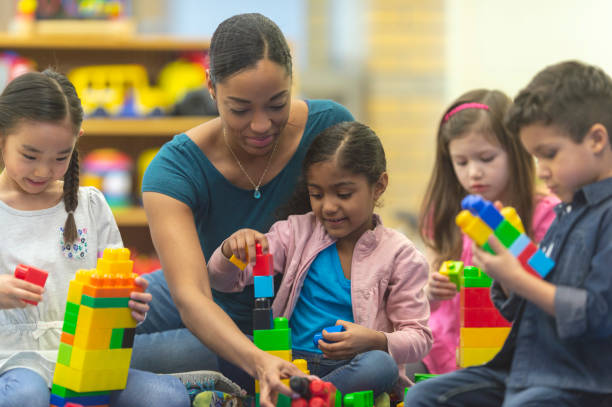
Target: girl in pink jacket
341, 266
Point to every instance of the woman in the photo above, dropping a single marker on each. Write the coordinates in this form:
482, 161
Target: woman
228, 173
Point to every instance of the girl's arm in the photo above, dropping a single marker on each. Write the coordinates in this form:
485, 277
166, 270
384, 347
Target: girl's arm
176, 241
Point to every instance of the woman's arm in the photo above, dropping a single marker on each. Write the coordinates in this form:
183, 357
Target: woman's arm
176, 240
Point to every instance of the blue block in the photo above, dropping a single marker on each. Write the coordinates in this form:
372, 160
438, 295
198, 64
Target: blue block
490, 215
335, 328
519, 245
98, 400
264, 286
472, 203
541, 263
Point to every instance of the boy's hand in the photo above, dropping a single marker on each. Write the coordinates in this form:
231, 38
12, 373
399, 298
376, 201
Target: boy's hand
440, 288
354, 340
242, 245
14, 290
502, 266
139, 302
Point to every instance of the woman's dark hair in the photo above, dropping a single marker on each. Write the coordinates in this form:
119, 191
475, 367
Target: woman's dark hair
241, 41
357, 150
46, 97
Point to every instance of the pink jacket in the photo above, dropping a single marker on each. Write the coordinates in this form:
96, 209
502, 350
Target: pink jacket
388, 275
444, 321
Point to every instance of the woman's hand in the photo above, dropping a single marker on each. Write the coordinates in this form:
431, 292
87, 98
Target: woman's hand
440, 288
349, 343
13, 292
242, 245
269, 370
139, 301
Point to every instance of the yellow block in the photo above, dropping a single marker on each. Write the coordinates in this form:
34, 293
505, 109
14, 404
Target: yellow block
474, 227
283, 354
105, 318
92, 338
302, 364
476, 356
93, 359
89, 380
284, 381
75, 290
483, 337
115, 261
513, 218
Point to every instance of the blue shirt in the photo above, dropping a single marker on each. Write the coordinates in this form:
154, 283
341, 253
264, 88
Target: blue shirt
573, 349
182, 171
325, 298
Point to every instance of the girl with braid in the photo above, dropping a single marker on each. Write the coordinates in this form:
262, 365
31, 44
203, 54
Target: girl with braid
51, 223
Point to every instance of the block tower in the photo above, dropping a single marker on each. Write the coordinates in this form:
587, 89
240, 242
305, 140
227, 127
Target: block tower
98, 333
479, 219
483, 329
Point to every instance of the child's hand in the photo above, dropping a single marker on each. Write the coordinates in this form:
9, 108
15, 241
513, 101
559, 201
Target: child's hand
139, 301
502, 266
354, 340
242, 245
14, 290
440, 288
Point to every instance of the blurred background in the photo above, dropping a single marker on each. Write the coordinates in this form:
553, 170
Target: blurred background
395, 64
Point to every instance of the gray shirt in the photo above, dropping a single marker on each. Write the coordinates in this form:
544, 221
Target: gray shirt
29, 336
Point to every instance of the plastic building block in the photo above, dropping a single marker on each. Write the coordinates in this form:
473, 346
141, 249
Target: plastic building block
511, 215
359, 399
486, 337
476, 297
264, 286
476, 356
419, 377
314, 393
262, 314
31, 275
452, 270
509, 231
263, 262
474, 277
319, 336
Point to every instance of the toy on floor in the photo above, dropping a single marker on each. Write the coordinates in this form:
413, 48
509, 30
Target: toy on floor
480, 219
31, 275
98, 333
314, 393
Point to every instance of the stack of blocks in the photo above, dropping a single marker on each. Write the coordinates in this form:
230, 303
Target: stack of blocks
98, 333
480, 219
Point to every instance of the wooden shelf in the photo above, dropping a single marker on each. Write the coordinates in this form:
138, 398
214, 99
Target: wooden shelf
132, 216
165, 126
102, 42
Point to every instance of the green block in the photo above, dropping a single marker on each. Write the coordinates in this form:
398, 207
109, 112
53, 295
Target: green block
105, 302
64, 354
69, 327
338, 400
281, 323
116, 341
506, 233
283, 401
359, 399
72, 308
64, 392
419, 377
272, 339
474, 277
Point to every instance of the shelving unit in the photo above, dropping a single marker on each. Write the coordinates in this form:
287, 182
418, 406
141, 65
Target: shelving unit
132, 136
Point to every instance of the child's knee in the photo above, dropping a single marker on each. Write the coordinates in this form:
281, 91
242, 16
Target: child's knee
18, 385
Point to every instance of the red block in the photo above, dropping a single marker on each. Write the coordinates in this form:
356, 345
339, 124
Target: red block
263, 263
31, 275
525, 256
475, 297
482, 317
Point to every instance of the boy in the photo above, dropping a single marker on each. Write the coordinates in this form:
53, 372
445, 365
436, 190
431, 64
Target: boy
559, 351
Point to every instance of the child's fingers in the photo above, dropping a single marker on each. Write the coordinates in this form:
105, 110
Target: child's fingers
141, 282
138, 306
28, 295
141, 297
27, 286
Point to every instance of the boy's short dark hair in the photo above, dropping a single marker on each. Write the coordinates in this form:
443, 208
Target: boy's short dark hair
571, 95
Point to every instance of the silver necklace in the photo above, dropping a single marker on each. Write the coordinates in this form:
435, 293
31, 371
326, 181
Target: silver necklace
256, 192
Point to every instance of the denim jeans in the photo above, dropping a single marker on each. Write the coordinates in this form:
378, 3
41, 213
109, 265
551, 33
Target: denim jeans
20, 387
482, 386
372, 370
162, 343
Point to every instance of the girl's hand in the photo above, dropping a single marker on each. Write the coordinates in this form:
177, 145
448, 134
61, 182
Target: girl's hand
242, 245
502, 266
354, 340
14, 290
269, 370
139, 302
440, 288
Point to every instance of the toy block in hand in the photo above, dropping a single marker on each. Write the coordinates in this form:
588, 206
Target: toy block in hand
329, 329
480, 219
31, 275
453, 270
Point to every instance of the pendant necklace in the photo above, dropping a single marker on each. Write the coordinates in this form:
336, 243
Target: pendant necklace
256, 192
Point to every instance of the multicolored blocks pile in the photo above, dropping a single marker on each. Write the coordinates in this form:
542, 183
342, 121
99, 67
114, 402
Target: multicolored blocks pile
98, 333
480, 219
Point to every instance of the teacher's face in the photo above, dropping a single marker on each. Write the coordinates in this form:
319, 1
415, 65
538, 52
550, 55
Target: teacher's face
254, 106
